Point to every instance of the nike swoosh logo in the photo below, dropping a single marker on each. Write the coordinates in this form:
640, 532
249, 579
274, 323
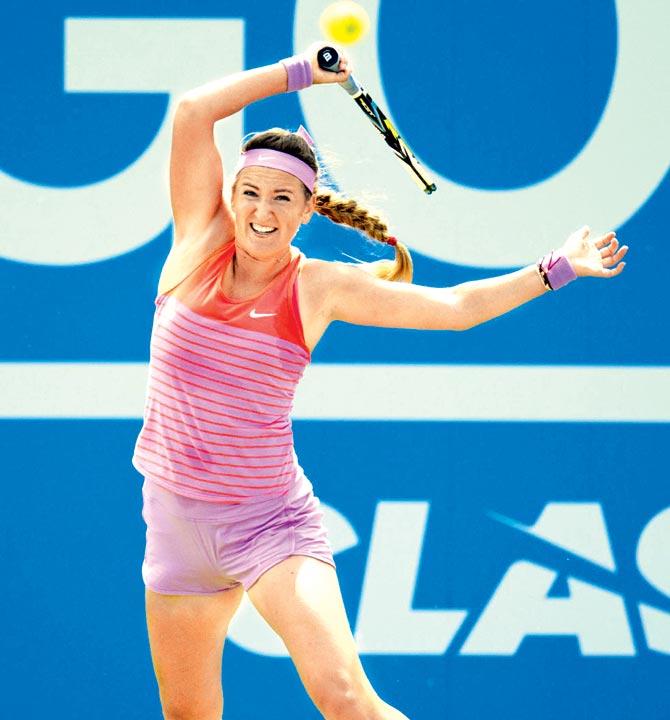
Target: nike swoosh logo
254, 314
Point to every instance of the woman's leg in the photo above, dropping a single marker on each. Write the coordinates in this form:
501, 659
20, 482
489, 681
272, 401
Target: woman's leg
301, 600
186, 636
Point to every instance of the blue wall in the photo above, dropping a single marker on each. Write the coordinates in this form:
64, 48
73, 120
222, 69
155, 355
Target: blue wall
493, 97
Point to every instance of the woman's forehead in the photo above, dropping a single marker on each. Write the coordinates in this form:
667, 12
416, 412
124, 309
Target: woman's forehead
268, 179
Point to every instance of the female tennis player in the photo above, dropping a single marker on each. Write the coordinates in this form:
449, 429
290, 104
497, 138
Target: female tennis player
239, 311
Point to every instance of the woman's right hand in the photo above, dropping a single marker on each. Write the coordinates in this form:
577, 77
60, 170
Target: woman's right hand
320, 76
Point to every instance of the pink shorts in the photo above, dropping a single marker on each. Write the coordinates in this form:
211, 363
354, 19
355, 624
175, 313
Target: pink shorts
196, 547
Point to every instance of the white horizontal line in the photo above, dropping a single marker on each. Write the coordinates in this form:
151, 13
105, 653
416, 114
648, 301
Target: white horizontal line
574, 393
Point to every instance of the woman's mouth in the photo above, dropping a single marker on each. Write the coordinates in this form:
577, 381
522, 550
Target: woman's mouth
262, 230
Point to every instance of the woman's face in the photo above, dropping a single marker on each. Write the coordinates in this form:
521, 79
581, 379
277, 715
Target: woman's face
269, 207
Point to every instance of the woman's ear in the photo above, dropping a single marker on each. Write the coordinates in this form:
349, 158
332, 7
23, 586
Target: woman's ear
309, 209
232, 196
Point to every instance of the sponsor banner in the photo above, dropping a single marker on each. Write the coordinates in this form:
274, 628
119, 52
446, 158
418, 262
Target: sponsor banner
497, 499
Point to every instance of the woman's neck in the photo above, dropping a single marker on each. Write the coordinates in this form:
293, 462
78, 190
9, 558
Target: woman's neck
249, 273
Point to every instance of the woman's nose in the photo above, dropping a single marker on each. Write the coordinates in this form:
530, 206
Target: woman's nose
263, 210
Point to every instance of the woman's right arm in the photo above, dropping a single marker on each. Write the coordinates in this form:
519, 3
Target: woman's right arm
196, 171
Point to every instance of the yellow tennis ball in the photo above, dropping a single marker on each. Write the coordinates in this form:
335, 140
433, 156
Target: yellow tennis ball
344, 22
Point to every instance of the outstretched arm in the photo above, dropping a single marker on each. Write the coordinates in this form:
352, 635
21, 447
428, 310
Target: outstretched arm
356, 297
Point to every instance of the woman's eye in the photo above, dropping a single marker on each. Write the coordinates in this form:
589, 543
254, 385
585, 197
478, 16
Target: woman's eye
251, 193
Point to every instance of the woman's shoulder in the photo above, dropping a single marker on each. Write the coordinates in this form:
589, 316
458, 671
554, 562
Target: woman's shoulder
319, 270
323, 281
319, 273
316, 274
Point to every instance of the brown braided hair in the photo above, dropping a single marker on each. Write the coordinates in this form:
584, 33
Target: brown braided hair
337, 208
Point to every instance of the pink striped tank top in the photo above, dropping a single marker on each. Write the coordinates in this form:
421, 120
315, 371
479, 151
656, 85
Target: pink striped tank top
222, 376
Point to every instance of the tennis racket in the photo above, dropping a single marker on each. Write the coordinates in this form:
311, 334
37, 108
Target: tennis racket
329, 59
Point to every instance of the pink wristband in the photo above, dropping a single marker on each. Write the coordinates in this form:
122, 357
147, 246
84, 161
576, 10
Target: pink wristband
299, 72
558, 269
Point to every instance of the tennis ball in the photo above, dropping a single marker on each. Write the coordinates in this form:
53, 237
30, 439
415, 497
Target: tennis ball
344, 22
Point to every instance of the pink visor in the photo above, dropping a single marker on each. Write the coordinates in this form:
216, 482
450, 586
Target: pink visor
278, 161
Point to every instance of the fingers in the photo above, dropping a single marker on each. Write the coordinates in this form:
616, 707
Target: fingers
344, 69
605, 239
620, 255
611, 272
328, 76
611, 255
344, 72
615, 262
609, 250
608, 262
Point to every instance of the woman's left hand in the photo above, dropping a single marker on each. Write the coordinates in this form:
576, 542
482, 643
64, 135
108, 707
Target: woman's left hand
596, 258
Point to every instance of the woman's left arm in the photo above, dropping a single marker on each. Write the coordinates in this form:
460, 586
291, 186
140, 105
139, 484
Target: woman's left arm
352, 295
483, 300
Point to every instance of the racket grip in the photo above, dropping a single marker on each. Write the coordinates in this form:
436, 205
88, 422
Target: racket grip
329, 59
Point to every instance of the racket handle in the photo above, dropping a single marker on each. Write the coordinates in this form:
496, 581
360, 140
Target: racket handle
329, 59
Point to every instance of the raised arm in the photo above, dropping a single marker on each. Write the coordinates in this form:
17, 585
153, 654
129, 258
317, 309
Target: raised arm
196, 172
354, 296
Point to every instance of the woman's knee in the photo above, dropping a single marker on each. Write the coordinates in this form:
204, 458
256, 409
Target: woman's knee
191, 708
343, 694
196, 696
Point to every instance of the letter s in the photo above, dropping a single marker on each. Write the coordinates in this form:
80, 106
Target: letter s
653, 560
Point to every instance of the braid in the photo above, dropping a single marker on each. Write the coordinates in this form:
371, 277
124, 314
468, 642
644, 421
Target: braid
337, 208
349, 212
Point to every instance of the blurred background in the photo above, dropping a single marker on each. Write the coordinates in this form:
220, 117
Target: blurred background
498, 498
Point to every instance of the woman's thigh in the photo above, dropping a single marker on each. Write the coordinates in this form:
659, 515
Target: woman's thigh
186, 636
300, 598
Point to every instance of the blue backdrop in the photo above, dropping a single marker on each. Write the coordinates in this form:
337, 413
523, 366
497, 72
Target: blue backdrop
500, 506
